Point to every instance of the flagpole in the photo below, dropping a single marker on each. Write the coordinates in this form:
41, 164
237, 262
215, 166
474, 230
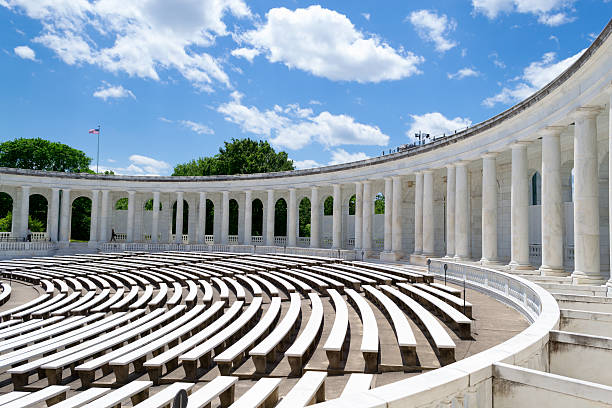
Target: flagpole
98, 154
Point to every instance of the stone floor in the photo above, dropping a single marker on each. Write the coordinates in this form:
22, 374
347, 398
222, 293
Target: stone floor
493, 323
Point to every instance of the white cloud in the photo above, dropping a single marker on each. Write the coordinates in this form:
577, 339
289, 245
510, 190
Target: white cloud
549, 12
140, 165
138, 38
494, 56
366, 16
433, 27
247, 53
305, 164
436, 124
294, 127
327, 44
340, 156
108, 91
25, 52
535, 76
198, 128
463, 73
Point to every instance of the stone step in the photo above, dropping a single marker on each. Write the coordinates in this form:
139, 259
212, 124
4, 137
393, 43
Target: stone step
588, 290
561, 280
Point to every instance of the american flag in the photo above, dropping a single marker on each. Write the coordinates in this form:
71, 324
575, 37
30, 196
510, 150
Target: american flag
95, 131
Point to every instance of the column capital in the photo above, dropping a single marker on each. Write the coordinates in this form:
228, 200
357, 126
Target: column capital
450, 165
358, 183
585, 112
428, 171
519, 144
490, 155
95, 191
551, 131
55, 189
131, 192
462, 163
313, 188
397, 177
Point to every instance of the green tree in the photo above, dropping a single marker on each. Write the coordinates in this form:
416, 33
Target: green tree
352, 201
280, 218
328, 206
379, 204
240, 156
81, 219
304, 212
40, 154
6, 222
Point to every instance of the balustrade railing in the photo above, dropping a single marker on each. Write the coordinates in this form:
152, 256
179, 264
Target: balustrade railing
209, 239
257, 240
535, 254
232, 239
120, 236
378, 243
280, 241
185, 238
350, 242
327, 242
303, 241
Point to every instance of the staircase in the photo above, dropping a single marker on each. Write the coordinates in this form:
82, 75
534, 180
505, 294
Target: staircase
76, 248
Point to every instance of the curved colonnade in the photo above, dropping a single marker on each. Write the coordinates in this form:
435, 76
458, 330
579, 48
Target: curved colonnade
473, 195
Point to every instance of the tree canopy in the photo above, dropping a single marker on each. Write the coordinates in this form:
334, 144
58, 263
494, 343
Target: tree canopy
40, 154
240, 156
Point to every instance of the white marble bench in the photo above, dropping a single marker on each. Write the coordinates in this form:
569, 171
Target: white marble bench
222, 387
308, 390
334, 345
369, 338
304, 345
263, 394
265, 350
144, 299
50, 394
358, 382
136, 391
127, 300
83, 398
165, 397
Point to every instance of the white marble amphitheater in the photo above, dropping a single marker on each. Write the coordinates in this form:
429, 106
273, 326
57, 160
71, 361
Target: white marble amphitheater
483, 282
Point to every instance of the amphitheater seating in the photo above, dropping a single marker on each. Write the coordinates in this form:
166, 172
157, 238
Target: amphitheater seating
50, 395
175, 318
461, 305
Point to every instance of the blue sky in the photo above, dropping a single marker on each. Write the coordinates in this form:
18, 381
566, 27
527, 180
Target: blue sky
327, 82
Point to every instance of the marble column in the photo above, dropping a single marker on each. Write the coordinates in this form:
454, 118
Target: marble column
201, 229
93, 228
248, 217
225, 217
104, 217
270, 219
292, 228
65, 216
358, 214
586, 198
54, 215
130, 216
337, 218
552, 203
178, 236
155, 218
450, 210
418, 214
397, 237
462, 215
610, 174
24, 211
388, 233
315, 217
366, 230
489, 208
519, 209
428, 216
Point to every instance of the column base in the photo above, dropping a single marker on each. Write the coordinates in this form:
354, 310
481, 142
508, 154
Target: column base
419, 259
490, 262
515, 266
92, 244
458, 258
551, 271
581, 278
391, 256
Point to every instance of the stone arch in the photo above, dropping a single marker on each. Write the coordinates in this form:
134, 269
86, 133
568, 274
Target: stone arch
38, 213
257, 218
328, 206
80, 219
233, 217
148, 205
280, 218
535, 188
6, 212
185, 218
121, 204
209, 223
567, 181
352, 204
379, 203
304, 217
